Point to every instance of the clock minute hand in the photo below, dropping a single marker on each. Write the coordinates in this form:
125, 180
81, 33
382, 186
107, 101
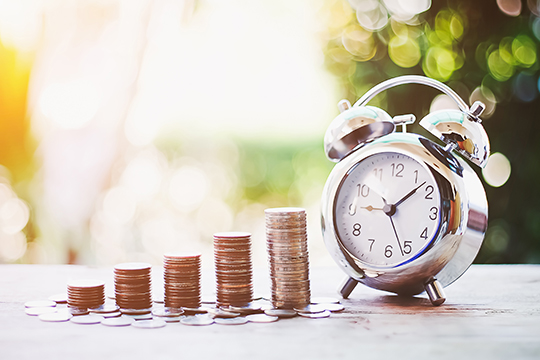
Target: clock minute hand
411, 193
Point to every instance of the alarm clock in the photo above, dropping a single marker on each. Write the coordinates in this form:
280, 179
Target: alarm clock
400, 212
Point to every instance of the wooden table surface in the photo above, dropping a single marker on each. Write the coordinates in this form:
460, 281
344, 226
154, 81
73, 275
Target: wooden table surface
492, 312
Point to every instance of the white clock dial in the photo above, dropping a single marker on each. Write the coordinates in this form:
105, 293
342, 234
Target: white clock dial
387, 209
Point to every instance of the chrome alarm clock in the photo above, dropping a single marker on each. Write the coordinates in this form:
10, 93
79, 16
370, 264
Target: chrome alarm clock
400, 212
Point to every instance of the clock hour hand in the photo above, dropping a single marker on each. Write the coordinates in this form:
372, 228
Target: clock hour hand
411, 193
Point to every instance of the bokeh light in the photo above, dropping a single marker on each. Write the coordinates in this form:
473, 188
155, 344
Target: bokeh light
510, 7
524, 87
486, 96
497, 171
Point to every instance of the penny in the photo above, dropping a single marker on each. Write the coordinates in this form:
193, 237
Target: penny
281, 313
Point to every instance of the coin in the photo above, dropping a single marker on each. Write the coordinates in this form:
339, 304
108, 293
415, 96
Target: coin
219, 313
281, 313
117, 321
288, 257
136, 311
167, 312
197, 320
334, 307
311, 309
55, 316
35, 311
75, 311
249, 308
85, 293
59, 298
112, 315
87, 319
105, 308
194, 311
231, 321
139, 316
261, 318
233, 268
132, 286
40, 303
324, 300
319, 315
182, 277
149, 324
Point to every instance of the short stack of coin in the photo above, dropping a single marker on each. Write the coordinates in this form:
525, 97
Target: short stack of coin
286, 242
85, 294
182, 280
232, 259
132, 286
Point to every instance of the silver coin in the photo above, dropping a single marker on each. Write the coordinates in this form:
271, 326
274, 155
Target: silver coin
324, 300
167, 312
87, 319
231, 321
35, 311
197, 320
117, 321
281, 313
320, 315
311, 309
149, 324
173, 319
139, 316
112, 315
75, 311
334, 307
56, 316
261, 318
250, 308
59, 298
40, 303
219, 313
136, 311
105, 308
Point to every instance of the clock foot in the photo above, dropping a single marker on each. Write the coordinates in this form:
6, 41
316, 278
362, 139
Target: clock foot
435, 292
348, 287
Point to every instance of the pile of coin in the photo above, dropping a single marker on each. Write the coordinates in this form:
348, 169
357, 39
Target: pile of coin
85, 294
232, 259
182, 280
286, 242
132, 287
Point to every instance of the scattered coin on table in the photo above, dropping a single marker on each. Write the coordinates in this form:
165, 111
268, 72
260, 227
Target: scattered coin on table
231, 321
117, 321
56, 316
261, 318
40, 303
87, 319
149, 324
197, 320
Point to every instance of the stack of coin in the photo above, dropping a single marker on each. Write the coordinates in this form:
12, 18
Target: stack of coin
132, 286
85, 294
232, 259
286, 241
182, 280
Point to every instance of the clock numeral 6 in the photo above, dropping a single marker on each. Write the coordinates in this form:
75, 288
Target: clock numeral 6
356, 229
388, 251
407, 248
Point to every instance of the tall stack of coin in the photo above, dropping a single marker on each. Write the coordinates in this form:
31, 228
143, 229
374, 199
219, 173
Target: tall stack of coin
286, 241
182, 279
232, 259
86, 294
132, 286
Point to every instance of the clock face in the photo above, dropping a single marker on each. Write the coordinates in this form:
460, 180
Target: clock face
387, 209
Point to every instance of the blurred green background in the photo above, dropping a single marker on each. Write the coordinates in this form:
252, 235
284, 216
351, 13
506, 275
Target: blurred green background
133, 128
